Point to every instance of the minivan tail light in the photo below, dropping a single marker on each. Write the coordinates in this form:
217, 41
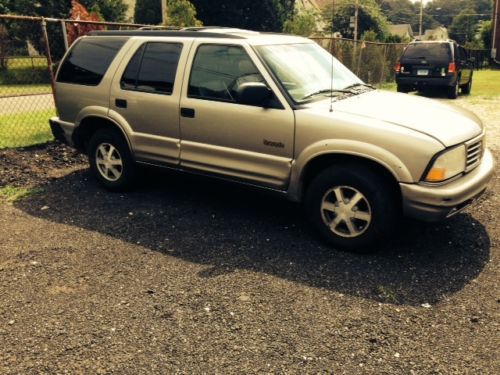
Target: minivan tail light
397, 68
452, 68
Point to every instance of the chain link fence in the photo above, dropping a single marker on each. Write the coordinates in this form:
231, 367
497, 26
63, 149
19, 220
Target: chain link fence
31, 48
372, 62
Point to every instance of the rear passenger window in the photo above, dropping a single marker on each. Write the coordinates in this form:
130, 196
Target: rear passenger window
152, 68
88, 61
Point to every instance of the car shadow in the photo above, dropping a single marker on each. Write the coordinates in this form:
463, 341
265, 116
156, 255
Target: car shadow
229, 227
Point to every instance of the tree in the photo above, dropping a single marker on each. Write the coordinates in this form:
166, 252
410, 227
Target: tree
301, 23
110, 10
263, 15
369, 18
148, 12
463, 27
485, 31
182, 13
404, 11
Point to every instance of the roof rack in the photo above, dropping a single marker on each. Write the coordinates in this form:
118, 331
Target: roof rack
167, 33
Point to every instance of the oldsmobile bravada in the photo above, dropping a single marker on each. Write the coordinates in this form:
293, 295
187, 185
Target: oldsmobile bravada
274, 111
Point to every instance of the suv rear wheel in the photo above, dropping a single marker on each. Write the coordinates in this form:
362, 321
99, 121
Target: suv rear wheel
110, 160
453, 91
351, 206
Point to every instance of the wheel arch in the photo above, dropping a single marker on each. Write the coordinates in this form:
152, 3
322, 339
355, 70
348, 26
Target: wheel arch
89, 125
319, 162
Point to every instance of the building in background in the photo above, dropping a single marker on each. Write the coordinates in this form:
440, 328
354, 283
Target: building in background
403, 30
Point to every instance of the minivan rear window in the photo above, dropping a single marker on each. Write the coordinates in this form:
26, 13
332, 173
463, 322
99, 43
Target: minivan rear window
89, 59
428, 51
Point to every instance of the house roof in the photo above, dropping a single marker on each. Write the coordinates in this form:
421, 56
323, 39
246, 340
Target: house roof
401, 30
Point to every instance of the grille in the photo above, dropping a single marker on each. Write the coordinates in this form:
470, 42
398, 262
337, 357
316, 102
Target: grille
474, 154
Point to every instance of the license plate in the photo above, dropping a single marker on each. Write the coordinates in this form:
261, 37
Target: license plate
422, 72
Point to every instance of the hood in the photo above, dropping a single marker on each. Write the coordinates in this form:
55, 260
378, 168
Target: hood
448, 124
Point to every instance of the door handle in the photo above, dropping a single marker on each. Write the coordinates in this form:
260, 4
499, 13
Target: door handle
121, 103
188, 112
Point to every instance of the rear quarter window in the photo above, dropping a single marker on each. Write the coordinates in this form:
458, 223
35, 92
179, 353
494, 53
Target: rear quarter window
428, 51
89, 59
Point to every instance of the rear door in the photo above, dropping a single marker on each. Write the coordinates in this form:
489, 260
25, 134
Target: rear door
145, 97
426, 60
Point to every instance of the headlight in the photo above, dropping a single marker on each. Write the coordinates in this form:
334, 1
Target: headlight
447, 165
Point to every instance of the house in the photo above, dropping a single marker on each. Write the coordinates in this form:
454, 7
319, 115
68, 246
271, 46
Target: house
403, 30
439, 33
495, 38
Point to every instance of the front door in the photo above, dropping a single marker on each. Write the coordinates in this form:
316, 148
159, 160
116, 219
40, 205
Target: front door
220, 135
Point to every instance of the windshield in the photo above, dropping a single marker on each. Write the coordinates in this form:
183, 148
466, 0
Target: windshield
306, 69
429, 51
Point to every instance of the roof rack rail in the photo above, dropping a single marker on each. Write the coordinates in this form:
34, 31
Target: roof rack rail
166, 33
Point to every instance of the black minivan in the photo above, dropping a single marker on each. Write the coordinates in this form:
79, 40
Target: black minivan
435, 64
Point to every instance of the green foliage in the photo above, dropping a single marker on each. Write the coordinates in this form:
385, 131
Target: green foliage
12, 194
485, 31
110, 10
301, 23
463, 26
182, 13
263, 15
369, 18
148, 12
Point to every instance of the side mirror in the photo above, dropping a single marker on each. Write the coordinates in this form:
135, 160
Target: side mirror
254, 93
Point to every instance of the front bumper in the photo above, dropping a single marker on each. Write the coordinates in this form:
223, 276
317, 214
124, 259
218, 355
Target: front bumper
434, 203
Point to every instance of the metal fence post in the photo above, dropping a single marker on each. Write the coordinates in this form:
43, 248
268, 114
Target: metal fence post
65, 34
49, 57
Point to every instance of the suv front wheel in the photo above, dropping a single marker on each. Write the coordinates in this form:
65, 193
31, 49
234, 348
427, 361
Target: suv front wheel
110, 160
351, 206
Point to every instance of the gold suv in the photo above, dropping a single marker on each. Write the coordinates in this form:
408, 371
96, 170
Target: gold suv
273, 111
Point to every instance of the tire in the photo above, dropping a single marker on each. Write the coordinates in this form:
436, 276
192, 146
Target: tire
453, 91
466, 89
403, 89
110, 160
352, 207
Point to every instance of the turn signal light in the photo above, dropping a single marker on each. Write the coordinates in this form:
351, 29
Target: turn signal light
436, 174
397, 68
452, 68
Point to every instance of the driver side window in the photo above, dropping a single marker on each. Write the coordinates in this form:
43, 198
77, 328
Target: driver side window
218, 70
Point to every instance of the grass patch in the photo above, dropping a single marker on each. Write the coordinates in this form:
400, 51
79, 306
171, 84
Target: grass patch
26, 62
485, 84
12, 194
13, 90
25, 129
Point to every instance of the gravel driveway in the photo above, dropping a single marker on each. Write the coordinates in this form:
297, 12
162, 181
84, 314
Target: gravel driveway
187, 275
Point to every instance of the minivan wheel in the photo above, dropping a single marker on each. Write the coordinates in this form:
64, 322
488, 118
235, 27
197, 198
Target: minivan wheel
453, 91
351, 207
110, 160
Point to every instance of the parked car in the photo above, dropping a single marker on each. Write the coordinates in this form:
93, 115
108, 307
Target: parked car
431, 65
273, 111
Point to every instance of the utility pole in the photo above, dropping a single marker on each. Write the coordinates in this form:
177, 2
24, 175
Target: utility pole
421, 17
356, 16
164, 11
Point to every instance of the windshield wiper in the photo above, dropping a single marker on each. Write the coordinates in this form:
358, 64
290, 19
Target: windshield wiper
358, 85
326, 91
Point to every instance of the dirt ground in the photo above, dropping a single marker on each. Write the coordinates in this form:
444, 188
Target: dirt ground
187, 275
